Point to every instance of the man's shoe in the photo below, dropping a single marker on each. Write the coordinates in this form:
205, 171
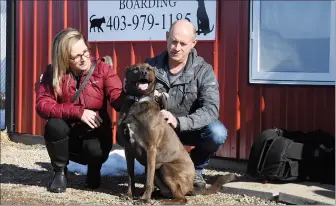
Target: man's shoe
199, 182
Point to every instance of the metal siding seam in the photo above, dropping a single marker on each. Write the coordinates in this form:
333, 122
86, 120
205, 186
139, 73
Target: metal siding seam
50, 38
151, 49
215, 44
65, 13
132, 53
19, 88
114, 115
34, 67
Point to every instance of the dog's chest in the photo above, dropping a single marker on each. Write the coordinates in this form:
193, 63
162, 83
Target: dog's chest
134, 135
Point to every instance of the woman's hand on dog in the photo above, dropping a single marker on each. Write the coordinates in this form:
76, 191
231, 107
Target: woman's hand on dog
169, 117
91, 118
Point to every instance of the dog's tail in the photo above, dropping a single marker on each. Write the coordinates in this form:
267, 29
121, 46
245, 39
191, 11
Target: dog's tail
217, 185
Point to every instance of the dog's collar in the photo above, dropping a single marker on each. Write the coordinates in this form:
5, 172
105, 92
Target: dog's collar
140, 99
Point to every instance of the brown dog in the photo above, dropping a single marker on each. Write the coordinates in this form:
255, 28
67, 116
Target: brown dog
149, 139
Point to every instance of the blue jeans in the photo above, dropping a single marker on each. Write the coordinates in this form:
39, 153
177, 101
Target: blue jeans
206, 141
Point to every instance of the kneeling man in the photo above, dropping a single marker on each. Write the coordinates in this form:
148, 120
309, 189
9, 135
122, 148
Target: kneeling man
191, 88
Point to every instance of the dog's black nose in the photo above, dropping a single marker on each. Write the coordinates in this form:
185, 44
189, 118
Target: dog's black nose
143, 72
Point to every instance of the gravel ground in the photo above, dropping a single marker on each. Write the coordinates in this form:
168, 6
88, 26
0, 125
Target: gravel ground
25, 173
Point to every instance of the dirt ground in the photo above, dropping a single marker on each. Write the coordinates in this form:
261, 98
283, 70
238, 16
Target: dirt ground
26, 172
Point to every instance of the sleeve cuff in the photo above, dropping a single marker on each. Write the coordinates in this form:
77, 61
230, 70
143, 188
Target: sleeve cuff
183, 123
79, 112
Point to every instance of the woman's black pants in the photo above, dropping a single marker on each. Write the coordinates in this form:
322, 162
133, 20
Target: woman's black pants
65, 143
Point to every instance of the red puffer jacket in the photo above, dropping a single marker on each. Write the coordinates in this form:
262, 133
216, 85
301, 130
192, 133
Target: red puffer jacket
104, 84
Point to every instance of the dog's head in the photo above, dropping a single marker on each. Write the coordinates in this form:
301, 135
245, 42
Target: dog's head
140, 79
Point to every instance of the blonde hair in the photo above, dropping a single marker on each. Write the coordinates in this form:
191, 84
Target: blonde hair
61, 50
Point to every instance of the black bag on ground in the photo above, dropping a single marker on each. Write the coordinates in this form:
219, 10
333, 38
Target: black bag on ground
318, 157
274, 157
288, 156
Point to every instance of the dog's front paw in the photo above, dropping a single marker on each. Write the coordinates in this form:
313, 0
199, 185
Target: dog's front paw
144, 198
126, 196
143, 202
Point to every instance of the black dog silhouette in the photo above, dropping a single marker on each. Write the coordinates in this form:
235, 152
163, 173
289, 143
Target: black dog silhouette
96, 23
202, 19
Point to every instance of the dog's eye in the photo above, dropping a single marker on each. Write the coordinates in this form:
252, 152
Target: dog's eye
135, 71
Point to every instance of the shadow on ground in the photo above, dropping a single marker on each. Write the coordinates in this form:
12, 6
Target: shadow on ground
325, 193
116, 185
12, 174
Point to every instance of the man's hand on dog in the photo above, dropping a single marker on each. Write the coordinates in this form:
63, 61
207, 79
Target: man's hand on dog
91, 118
169, 117
157, 94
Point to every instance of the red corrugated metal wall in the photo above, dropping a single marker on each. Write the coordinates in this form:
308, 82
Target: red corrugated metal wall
245, 109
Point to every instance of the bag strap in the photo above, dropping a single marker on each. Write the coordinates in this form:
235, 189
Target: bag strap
85, 81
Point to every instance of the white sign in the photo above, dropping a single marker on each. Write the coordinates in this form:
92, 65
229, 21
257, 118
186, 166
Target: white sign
143, 20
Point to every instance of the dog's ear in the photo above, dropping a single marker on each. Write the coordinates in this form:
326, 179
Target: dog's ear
128, 69
151, 69
124, 83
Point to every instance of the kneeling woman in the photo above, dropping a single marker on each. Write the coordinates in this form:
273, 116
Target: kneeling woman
77, 129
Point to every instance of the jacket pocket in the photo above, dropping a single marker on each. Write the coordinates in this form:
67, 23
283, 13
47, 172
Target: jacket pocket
189, 95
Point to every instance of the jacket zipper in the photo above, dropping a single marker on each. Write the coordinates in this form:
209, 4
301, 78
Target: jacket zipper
165, 82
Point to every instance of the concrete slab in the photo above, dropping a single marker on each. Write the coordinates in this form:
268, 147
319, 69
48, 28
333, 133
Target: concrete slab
307, 193
298, 200
303, 193
266, 191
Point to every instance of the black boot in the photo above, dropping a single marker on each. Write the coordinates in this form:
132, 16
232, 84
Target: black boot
59, 154
93, 176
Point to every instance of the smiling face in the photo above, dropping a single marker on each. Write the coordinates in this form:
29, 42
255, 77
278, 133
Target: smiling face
140, 79
79, 57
